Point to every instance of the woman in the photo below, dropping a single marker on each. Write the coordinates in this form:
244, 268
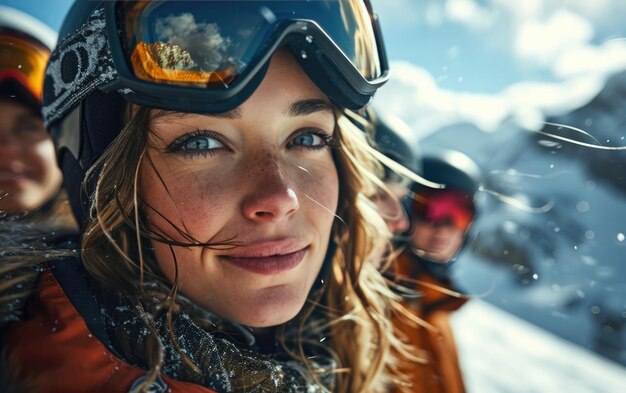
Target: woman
30, 181
440, 223
220, 188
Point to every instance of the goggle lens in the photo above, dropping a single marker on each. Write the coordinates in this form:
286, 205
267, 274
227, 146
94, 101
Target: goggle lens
439, 207
24, 61
211, 43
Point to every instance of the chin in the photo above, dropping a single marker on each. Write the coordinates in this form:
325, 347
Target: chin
274, 306
263, 318
440, 257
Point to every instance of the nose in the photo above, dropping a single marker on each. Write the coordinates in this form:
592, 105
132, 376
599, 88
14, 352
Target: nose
270, 196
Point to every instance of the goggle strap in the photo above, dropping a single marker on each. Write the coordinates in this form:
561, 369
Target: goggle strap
81, 63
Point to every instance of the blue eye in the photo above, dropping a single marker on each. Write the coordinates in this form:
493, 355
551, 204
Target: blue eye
201, 143
310, 139
197, 143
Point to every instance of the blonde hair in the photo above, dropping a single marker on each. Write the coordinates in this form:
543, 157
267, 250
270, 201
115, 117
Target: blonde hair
356, 298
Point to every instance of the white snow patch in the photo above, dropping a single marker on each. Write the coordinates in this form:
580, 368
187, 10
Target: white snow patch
500, 353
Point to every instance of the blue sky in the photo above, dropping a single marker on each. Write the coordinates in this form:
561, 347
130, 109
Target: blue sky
480, 61
51, 12
491, 44
486, 61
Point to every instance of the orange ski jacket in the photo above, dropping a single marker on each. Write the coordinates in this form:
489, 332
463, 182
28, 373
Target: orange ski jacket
53, 349
440, 372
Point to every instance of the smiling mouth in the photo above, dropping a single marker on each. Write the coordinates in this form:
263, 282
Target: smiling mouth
438, 245
10, 179
267, 265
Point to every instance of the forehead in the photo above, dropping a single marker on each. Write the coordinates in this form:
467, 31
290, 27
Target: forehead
11, 110
16, 106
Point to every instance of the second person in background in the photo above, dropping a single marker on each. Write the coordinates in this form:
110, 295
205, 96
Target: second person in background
30, 180
440, 221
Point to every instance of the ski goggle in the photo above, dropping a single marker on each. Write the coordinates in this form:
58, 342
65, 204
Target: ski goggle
24, 61
443, 207
209, 56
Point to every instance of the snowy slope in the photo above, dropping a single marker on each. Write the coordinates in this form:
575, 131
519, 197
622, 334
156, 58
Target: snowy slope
500, 353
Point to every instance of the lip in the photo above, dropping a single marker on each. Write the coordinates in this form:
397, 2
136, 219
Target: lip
268, 257
439, 244
8, 179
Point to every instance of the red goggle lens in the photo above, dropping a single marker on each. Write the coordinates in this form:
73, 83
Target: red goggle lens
444, 207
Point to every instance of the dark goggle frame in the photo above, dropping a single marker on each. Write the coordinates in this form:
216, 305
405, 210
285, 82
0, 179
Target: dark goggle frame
325, 63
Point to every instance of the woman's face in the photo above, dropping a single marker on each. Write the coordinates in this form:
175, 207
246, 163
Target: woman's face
261, 175
29, 175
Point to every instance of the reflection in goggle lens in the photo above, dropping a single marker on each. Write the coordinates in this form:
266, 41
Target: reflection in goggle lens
190, 43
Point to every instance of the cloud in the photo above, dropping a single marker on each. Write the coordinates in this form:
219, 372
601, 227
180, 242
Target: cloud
401, 12
414, 95
606, 15
543, 41
203, 41
469, 13
561, 39
576, 44
433, 12
608, 58
566, 44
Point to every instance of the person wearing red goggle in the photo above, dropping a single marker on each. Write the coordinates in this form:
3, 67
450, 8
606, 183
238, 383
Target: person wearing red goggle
440, 220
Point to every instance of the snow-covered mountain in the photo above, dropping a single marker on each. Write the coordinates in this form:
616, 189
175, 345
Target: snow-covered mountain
549, 242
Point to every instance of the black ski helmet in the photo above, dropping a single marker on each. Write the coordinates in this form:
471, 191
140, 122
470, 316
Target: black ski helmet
395, 139
453, 169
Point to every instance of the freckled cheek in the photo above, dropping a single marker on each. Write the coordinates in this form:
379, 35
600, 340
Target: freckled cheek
197, 202
319, 186
204, 207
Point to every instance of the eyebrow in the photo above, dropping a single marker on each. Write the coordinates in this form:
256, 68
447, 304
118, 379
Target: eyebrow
231, 114
307, 107
298, 108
